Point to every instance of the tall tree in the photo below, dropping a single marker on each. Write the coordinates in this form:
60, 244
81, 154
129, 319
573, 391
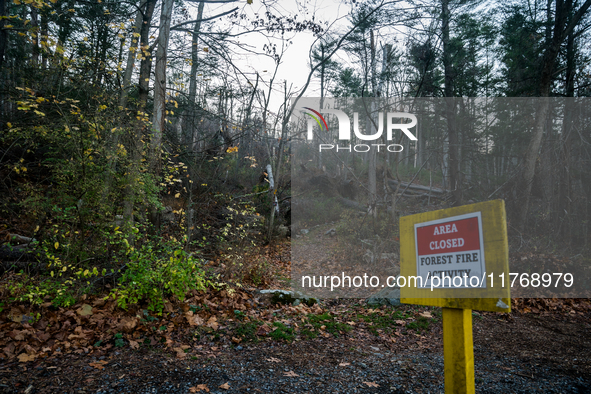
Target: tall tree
450, 106
133, 52
3, 31
188, 121
160, 83
520, 49
566, 19
135, 142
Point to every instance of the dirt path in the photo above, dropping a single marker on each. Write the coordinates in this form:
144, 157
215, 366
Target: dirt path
516, 354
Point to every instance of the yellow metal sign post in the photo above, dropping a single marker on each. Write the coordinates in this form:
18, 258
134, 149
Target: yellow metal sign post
457, 259
458, 353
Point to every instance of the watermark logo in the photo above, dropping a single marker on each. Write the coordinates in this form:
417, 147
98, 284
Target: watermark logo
316, 119
393, 122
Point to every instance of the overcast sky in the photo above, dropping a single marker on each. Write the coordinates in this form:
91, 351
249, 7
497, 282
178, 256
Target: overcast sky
295, 65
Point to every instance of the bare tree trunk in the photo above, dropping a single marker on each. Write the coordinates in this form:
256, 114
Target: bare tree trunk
35, 43
160, 84
3, 32
159, 116
322, 88
194, 55
188, 120
372, 165
43, 33
135, 144
445, 163
115, 139
146, 63
284, 125
454, 164
133, 49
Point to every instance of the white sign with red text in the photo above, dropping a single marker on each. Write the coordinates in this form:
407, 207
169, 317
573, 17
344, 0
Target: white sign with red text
451, 250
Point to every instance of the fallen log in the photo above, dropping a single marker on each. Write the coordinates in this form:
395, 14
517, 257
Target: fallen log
422, 195
433, 190
14, 253
20, 258
30, 267
19, 239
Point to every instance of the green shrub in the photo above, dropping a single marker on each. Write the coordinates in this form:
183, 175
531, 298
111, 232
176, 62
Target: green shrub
151, 275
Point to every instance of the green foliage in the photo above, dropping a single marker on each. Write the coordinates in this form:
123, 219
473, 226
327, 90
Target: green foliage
348, 84
282, 298
384, 320
119, 341
248, 330
151, 274
24, 289
86, 154
521, 44
258, 272
147, 317
330, 324
282, 332
81, 151
307, 333
420, 325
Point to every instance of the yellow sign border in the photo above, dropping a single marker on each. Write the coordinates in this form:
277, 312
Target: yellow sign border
496, 256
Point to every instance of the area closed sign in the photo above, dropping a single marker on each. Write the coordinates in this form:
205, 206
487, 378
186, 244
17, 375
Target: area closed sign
451, 252
454, 254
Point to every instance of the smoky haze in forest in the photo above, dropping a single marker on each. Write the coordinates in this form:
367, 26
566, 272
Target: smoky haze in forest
348, 183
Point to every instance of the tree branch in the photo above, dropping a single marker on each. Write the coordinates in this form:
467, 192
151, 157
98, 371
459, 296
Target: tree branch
176, 27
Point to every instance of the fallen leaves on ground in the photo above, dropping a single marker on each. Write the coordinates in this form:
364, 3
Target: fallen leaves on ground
24, 357
95, 325
225, 386
263, 330
98, 325
199, 387
212, 323
84, 310
100, 365
371, 384
194, 320
291, 374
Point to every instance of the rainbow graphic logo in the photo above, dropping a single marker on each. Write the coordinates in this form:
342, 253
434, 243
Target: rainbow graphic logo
316, 119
